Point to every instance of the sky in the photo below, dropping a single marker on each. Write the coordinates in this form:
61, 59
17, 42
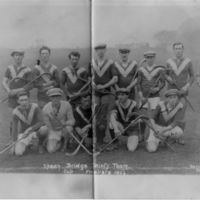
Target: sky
56, 23
66, 23
123, 22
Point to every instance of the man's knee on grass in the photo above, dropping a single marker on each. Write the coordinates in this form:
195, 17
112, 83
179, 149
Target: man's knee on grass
20, 149
132, 142
52, 145
152, 146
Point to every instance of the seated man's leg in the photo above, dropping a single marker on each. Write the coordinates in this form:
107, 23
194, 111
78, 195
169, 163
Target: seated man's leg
20, 149
101, 122
133, 138
66, 132
152, 142
42, 135
109, 102
53, 141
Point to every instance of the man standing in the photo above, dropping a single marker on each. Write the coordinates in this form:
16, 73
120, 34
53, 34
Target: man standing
126, 72
47, 81
16, 76
26, 119
180, 74
73, 77
180, 70
59, 121
104, 77
150, 81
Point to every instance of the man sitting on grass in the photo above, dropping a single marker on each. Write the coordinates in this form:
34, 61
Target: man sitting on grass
59, 121
121, 117
167, 120
26, 123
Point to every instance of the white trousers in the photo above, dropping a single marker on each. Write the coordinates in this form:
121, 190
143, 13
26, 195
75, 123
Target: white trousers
152, 142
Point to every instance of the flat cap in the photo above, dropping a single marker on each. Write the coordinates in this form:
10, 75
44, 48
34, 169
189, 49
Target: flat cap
149, 54
18, 51
54, 92
22, 93
171, 92
100, 46
124, 50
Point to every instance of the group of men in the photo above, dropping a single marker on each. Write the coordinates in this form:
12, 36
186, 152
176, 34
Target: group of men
125, 102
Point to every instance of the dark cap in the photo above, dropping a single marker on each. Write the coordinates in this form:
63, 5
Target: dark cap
100, 46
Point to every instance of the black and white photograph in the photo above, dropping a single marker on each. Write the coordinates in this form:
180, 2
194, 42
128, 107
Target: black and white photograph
97, 96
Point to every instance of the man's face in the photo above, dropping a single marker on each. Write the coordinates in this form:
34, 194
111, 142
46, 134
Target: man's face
86, 102
18, 58
55, 99
172, 100
124, 57
123, 97
74, 60
101, 53
24, 102
44, 55
178, 50
150, 60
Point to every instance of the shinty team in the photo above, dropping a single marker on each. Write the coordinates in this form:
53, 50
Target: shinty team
126, 102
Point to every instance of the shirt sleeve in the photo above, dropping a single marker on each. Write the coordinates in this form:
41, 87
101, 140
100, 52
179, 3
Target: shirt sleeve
8, 74
84, 74
39, 119
56, 78
14, 127
113, 70
45, 117
179, 118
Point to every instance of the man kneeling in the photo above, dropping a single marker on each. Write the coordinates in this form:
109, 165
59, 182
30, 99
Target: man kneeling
26, 123
121, 117
167, 120
59, 121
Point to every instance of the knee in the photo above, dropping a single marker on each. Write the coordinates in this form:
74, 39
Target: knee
20, 149
51, 146
152, 146
132, 143
43, 131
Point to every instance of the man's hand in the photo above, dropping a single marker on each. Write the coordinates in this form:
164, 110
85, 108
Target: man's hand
180, 106
86, 128
154, 90
185, 88
99, 87
117, 132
